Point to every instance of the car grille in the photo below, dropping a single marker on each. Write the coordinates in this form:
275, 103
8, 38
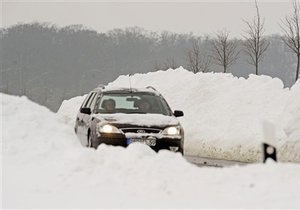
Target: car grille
140, 130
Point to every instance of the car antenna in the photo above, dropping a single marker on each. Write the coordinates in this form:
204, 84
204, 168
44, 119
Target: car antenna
130, 84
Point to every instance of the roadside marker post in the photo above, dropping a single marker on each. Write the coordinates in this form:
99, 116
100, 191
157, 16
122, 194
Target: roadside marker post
268, 147
269, 151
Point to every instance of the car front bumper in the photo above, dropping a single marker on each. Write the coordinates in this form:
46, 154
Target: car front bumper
161, 142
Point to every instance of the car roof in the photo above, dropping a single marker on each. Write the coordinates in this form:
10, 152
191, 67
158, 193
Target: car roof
105, 89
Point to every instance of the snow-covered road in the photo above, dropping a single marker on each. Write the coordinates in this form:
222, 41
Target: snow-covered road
211, 162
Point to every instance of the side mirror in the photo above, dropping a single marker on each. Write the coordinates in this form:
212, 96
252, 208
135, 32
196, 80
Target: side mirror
85, 110
178, 113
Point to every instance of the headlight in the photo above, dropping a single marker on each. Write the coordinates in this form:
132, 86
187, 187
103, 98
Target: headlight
106, 128
171, 131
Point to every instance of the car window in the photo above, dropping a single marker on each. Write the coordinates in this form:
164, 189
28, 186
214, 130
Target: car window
94, 99
89, 103
86, 101
132, 103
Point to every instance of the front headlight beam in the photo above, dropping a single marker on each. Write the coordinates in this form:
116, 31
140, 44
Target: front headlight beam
171, 131
107, 128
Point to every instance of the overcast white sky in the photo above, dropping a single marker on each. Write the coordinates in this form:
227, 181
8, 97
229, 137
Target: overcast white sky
198, 17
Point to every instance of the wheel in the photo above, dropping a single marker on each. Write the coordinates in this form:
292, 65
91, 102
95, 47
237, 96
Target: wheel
91, 143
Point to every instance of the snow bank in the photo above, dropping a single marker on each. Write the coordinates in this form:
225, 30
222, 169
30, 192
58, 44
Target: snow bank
44, 166
223, 114
69, 109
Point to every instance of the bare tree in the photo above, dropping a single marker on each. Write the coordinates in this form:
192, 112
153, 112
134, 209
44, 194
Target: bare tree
197, 61
290, 27
255, 45
224, 51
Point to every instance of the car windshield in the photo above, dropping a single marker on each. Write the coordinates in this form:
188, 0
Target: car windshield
132, 103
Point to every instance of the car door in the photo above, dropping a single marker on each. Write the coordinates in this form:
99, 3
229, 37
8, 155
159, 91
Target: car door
80, 120
87, 117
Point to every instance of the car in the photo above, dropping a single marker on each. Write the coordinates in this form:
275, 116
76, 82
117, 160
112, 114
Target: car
121, 116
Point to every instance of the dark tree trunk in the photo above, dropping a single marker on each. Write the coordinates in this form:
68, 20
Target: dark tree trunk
297, 71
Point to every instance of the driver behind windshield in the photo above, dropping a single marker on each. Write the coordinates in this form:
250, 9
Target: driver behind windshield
109, 105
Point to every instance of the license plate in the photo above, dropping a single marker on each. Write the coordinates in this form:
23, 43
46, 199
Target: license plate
149, 142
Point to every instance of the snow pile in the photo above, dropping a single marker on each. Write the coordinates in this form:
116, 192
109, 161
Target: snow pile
69, 108
224, 114
33, 129
290, 122
44, 166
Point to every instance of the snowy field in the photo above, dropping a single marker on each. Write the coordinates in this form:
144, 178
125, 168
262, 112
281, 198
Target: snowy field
44, 165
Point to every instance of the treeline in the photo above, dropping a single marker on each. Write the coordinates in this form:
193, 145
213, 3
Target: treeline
49, 64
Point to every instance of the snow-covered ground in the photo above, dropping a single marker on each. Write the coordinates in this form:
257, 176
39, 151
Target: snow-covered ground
44, 166
224, 115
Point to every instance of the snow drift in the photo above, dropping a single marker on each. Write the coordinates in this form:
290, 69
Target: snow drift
44, 166
224, 114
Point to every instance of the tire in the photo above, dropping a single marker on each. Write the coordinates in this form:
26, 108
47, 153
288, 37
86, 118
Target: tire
91, 143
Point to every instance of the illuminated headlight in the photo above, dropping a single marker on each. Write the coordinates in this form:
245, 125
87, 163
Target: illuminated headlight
108, 129
171, 131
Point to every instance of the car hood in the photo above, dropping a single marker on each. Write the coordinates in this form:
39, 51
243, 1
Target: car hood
147, 120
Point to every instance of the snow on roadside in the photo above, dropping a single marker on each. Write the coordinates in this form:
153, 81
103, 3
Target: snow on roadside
290, 123
223, 114
33, 130
69, 108
44, 166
